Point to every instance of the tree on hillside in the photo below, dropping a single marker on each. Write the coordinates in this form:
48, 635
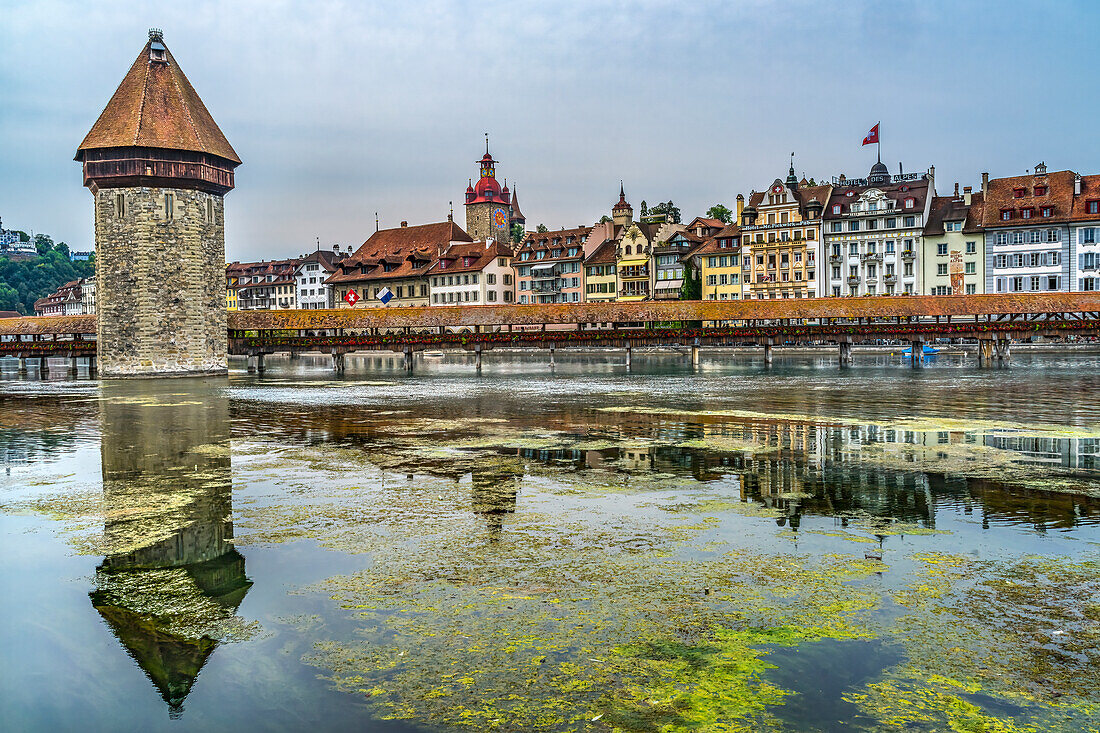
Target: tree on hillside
668, 208
721, 213
37, 278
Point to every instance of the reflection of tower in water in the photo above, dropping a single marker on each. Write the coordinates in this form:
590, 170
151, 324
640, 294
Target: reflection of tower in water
171, 581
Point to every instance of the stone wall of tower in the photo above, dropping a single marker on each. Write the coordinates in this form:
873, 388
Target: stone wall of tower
160, 282
479, 220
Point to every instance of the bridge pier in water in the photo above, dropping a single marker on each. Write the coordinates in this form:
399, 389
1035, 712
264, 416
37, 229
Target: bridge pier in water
1002, 348
695, 355
768, 345
43, 366
338, 363
629, 353
22, 364
407, 360
916, 354
477, 352
72, 365
845, 353
985, 352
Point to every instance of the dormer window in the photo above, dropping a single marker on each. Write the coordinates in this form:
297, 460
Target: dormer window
836, 208
1092, 207
1040, 190
1006, 214
1019, 192
1047, 211
910, 203
1025, 213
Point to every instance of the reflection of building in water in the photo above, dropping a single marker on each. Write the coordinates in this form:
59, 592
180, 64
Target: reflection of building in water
495, 492
171, 582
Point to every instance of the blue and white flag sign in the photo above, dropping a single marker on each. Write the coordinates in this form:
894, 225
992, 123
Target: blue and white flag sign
384, 295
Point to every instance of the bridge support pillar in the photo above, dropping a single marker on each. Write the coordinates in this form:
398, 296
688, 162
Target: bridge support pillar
768, 346
695, 355
845, 353
92, 367
916, 354
22, 364
551, 357
293, 355
72, 365
338, 363
408, 359
1003, 354
985, 352
251, 361
259, 363
477, 353
629, 354
43, 365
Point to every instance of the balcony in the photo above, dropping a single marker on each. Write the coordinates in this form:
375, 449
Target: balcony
872, 257
545, 273
546, 287
890, 279
836, 259
853, 281
908, 255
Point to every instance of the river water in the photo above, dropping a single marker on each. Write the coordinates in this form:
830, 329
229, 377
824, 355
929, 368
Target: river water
588, 547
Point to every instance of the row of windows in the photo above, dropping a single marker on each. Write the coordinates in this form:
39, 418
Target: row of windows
971, 289
723, 279
1023, 284
566, 282
872, 224
853, 270
1029, 259
908, 290
971, 248
871, 247
969, 268
783, 236
1032, 236
565, 298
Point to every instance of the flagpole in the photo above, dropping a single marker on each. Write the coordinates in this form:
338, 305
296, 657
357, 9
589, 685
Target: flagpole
878, 141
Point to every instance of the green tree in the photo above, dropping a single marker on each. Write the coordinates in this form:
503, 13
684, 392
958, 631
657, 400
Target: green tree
36, 278
518, 233
541, 229
645, 209
670, 209
721, 213
604, 218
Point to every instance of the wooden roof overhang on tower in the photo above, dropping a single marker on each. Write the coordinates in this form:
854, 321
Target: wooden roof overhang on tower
156, 131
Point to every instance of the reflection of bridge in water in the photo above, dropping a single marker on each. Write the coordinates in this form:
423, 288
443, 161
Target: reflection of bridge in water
992, 320
171, 578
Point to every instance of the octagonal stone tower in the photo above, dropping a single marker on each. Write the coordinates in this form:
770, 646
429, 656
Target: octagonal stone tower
159, 167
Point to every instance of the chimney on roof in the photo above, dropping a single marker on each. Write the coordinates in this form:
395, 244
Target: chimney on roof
985, 182
1076, 184
956, 189
404, 223
740, 206
967, 195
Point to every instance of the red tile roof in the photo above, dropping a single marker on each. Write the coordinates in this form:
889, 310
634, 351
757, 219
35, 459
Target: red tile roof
604, 254
155, 106
544, 241
468, 257
402, 252
950, 208
1000, 194
1090, 191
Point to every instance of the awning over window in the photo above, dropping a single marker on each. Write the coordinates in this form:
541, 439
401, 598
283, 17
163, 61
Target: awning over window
635, 261
544, 266
669, 284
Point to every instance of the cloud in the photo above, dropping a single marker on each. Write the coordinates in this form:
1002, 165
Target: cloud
342, 109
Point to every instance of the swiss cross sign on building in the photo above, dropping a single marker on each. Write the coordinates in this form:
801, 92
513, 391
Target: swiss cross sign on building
352, 297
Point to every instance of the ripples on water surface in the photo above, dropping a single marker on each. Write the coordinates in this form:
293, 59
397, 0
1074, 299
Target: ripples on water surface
795, 549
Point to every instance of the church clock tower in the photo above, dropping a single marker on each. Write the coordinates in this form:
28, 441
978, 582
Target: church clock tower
488, 206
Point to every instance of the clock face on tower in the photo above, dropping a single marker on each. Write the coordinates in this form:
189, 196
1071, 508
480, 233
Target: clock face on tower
500, 218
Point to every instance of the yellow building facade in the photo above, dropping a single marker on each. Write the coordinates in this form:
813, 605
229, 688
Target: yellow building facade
780, 240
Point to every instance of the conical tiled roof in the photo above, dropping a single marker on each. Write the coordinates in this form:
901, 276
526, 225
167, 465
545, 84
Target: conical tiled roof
156, 107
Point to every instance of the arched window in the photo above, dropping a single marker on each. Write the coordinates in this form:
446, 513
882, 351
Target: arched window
628, 249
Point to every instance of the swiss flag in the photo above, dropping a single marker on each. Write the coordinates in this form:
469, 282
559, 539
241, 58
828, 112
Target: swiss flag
872, 136
352, 297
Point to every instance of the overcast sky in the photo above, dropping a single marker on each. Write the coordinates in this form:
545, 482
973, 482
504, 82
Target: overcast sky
342, 109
